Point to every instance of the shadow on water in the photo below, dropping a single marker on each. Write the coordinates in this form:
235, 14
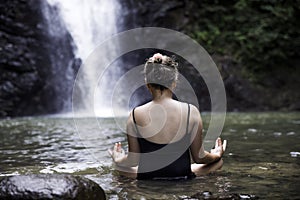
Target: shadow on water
262, 157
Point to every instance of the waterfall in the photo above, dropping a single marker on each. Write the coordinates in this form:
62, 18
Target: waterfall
90, 22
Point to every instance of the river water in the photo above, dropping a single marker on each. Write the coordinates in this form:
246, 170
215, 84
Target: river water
262, 157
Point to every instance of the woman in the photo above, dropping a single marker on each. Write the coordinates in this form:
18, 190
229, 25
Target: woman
164, 133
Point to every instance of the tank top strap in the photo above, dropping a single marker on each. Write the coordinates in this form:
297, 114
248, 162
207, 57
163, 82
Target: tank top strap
133, 117
188, 119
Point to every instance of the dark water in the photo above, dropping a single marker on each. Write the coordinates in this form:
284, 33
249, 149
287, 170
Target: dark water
262, 157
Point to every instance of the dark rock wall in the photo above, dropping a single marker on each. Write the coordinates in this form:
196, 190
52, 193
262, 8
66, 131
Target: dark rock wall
173, 14
242, 94
37, 64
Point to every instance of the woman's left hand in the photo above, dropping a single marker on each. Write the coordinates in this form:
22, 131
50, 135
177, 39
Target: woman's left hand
117, 153
219, 147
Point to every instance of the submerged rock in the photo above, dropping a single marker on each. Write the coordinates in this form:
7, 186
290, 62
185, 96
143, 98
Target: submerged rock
49, 186
209, 195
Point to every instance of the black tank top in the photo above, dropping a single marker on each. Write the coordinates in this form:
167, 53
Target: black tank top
165, 161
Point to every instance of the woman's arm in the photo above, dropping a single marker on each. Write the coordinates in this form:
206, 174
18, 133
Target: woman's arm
118, 154
199, 155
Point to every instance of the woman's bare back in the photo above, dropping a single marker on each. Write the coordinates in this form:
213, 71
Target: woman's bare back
162, 122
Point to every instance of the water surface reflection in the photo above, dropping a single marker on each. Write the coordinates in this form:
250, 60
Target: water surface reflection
262, 156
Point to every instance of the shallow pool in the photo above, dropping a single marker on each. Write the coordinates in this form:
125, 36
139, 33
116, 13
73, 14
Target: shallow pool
262, 159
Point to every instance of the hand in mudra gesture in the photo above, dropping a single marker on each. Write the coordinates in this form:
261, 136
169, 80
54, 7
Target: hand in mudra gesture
219, 147
117, 153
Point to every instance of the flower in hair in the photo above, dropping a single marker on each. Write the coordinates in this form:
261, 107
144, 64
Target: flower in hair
162, 59
157, 56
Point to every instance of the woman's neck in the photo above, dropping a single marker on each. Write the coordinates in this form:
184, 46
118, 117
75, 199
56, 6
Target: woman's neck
159, 95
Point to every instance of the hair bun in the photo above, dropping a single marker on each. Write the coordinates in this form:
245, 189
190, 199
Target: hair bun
161, 71
156, 58
162, 59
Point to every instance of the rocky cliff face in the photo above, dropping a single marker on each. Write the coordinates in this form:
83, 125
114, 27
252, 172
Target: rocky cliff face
276, 92
37, 63
38, 66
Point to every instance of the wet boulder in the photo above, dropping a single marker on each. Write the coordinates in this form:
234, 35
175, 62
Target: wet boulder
49, 186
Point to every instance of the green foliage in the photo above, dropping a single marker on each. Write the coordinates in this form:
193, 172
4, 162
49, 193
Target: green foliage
259, 34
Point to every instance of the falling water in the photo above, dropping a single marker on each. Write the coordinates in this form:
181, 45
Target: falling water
90, 22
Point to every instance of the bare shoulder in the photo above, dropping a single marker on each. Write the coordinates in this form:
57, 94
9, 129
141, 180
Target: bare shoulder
130, 119
195, 113
139, 112
130, 127
141, 108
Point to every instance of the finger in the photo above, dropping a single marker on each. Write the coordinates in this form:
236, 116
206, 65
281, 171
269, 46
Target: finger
116, 147
224, 145
119, 146
219, 142
110, 152
216, 143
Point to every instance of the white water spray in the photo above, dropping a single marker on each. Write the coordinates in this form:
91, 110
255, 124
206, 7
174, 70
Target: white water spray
90, 22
